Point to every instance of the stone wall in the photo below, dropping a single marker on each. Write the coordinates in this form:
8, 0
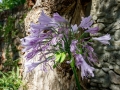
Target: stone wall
106, 14
13, 21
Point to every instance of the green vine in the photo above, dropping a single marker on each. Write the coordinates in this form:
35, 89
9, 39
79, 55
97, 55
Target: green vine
10, 76
10, 80
10, 4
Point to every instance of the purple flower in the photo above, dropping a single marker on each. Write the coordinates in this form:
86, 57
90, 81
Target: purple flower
56, 39
92, 30
104, 39
73, 46
86, 69
29, 66
44, 19
74, 28
29, 40
31, 54
91, 54
35, 26
58, 18
34, 32
51, 35
45, 46
79, 60
86, 22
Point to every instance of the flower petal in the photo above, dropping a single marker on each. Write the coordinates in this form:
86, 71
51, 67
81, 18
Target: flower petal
44, 19
29, 66
86, 22
104, 39
92, 30
86, 69
73, 46
58, 18
74, 28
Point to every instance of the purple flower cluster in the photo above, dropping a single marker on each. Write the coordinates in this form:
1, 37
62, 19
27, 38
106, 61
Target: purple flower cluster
53, 35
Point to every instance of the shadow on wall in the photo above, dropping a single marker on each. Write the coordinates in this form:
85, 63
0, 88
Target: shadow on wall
106, 13
31, 3
11, 30
72, 9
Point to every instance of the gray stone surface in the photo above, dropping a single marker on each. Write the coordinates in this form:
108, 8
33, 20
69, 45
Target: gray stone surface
118, 62
117, 69
114, 87
107, 74
105, 69
117, 35
100, 73
114, 78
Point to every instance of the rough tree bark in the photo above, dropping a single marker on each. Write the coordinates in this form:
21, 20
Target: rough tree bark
61, 78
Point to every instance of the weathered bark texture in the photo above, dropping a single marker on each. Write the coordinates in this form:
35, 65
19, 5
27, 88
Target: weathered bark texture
61, 78
106, 13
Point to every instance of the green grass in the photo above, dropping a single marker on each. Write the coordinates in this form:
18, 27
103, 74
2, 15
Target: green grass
10, 80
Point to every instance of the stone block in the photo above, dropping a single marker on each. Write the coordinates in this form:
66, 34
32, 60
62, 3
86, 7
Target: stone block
117, 35
117, 69
114, 87
114, 78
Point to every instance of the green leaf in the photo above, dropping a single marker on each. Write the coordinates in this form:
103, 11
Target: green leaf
63, 56
60, 57
57, 56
